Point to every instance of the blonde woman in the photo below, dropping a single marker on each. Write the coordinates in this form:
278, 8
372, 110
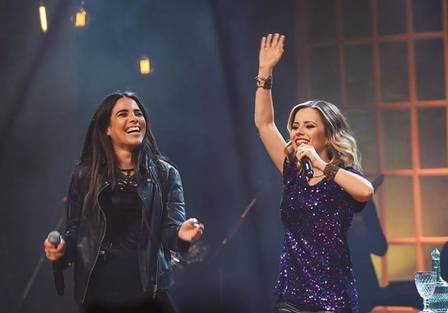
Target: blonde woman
317, 207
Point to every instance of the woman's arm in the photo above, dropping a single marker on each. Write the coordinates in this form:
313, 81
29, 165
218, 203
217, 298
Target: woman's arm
271, 51
75, 199
355, 185
178, 233
65, 252
174, 210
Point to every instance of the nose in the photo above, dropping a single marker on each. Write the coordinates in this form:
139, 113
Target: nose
299, 130
133, 118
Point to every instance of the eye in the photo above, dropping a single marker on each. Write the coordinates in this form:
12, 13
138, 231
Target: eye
122, 114
138, 113
310, 126
294, 127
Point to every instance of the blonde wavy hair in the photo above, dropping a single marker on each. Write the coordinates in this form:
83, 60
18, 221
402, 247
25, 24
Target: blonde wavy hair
342, 148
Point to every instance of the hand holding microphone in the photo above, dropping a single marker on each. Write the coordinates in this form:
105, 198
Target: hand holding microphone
54, 250
54, 246
309, 158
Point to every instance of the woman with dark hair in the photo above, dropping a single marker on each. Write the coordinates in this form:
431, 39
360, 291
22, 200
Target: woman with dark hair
318, 205
125, 213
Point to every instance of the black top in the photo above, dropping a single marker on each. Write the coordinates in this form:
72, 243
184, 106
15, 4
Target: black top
123, 209
163, 212
115, 278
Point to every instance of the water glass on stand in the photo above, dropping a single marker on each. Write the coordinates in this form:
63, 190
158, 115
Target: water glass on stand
426, 284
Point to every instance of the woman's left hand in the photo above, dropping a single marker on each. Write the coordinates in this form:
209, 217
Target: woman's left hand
308, 151
191, 230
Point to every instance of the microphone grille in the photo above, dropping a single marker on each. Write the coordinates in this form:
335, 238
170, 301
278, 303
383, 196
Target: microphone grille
54, 238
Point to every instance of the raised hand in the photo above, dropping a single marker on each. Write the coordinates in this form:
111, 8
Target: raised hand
271, 51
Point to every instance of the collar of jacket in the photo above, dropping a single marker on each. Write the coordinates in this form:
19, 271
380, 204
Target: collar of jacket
148, 167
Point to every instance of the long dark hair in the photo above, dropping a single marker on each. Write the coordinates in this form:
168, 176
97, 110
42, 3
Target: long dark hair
98, 155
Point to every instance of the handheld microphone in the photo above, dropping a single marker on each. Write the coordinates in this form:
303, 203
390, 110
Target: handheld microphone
307, 167
55, 239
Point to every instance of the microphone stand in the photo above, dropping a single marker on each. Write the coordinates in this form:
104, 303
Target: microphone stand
225, 241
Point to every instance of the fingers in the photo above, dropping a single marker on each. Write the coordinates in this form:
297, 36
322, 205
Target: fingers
281, 40
47, 244
197, 235
50, 245
268, 41
54, 253
197, 228
195, 223
263, 43
299, 154
54, 257
192, 220
275, 39
272, 41
304, 150
61, 246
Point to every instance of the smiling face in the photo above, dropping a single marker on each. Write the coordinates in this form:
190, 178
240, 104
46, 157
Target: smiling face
308, 128
127, 125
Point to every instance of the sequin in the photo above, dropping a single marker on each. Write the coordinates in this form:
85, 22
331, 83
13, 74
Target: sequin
315, 267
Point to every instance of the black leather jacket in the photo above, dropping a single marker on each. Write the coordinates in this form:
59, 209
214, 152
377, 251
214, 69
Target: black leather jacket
163, 212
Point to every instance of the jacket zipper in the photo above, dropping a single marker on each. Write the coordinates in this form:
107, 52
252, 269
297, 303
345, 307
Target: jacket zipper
155, 287
101, 242
154, 293
144, 218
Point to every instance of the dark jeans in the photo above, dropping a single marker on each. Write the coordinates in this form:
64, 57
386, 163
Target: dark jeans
162, 304
283, 306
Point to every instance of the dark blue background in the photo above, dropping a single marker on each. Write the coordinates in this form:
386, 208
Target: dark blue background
200, 99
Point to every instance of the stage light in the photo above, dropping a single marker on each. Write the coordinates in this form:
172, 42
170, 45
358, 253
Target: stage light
43, 17
81, 17
145, 66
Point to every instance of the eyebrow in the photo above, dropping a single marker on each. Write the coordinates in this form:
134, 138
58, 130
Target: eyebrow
126, 110
306, 122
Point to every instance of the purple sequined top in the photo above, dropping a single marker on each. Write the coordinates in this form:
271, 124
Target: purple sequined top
315, 267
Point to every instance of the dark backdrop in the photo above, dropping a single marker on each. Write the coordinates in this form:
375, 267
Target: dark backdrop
200, 99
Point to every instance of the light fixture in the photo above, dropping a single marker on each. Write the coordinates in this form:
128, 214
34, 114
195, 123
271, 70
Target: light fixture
81, 16
43, 17
145, 66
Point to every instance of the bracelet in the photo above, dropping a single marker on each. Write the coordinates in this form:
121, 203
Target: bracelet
264, 82
330, 170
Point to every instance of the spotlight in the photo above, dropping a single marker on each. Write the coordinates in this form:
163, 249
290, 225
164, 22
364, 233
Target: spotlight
43, 17
145, 66
81, 17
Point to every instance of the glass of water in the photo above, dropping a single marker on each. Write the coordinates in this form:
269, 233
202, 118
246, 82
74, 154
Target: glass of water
426, 284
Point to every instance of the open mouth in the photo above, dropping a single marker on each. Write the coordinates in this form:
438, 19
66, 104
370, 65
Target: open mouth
300, 141
133, 130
